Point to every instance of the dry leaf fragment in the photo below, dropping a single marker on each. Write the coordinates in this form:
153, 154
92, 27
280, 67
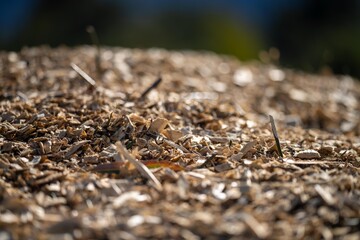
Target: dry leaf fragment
308, 154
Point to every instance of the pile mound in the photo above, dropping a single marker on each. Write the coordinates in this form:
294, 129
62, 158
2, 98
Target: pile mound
138, 144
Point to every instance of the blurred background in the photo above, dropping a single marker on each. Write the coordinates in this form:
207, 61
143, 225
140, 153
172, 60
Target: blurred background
321, 36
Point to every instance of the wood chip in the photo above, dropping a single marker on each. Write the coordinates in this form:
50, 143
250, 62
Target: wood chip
243, 151
308, 154
325, 195
158, 125
75, 147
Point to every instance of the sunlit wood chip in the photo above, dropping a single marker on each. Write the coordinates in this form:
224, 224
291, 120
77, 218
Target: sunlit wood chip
243, 77
135, 118
158, 125
173, 135
276, 75
308, 154
134, 196
298, 95
9, 218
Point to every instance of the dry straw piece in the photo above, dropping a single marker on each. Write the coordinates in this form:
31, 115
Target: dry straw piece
138, 165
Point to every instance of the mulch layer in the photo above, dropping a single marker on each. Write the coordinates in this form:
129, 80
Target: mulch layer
155, 144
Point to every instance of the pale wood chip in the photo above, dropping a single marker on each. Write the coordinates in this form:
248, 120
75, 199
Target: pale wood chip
158, 125
243, 151
325, 195
173, 135
261, 230
308, 154
139, 166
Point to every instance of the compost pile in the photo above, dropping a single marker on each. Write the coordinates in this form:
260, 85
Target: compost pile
154, 144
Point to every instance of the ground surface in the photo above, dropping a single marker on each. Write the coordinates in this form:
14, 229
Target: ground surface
203, 132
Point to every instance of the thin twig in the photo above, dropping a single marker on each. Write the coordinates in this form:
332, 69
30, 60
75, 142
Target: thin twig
83, 74
208, 160
139, 166
277, 141
95, 40
152, 86
174, 145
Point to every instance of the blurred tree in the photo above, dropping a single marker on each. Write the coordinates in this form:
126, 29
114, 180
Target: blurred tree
65, 22
205, 30
323, 33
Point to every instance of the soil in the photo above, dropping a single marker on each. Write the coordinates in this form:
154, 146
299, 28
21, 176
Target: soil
156, 144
